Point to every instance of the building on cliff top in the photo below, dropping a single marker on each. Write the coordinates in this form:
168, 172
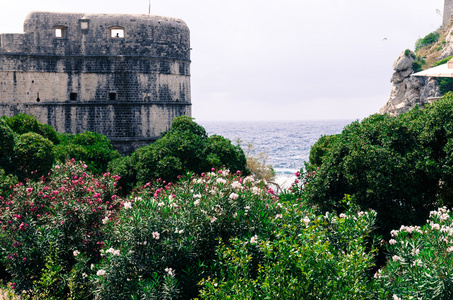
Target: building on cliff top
123, 76
448, 13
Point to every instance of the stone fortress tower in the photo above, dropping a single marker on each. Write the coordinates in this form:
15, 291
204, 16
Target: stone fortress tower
123, 76
448, 13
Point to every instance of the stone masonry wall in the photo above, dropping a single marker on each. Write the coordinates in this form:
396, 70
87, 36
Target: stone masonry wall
80, 78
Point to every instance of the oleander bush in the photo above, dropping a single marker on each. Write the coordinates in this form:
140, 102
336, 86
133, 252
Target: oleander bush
420, 260
316, 257
44, 221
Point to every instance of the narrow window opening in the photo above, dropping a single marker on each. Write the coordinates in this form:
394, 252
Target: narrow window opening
37, 98
117, 32
73, 96
60, 31
112, 96
84, 25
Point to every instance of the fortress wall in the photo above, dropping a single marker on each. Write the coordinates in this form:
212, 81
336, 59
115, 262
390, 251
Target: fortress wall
128, 88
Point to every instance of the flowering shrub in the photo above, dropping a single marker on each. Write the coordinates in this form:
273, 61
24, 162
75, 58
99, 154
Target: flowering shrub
44, 222
166, 236
420, 261
316, 257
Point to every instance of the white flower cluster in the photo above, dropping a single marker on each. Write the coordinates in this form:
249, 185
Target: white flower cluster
254, 239
113, 251
236, 185
156, 235
408, 229
170, 271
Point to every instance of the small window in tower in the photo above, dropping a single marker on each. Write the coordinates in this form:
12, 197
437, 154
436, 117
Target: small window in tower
112, 96
84, 25
73, 96
60, 31
117, 32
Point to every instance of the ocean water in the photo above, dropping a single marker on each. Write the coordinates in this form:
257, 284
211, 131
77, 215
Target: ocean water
287, 143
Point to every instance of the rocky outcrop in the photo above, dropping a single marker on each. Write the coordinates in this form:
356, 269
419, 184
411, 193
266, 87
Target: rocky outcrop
408, 91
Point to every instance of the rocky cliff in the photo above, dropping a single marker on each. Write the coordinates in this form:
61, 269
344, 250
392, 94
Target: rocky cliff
408, 91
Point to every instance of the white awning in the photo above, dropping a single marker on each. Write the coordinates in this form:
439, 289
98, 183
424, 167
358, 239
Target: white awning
445, 70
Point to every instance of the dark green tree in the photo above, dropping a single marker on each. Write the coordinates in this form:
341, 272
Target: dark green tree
186, 147
6, 145
94, 149
33, 156
382, 165
23, 123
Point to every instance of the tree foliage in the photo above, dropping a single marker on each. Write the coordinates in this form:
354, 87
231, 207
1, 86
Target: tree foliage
186, 147
399, 166
94, 149
33, 156
23, 123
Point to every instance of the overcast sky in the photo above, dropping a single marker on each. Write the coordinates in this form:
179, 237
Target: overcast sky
280, 59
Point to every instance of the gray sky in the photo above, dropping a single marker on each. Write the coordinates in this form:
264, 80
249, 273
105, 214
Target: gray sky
281, 59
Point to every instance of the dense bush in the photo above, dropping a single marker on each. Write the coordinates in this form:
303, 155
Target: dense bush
23, 123
317, 257
7, 138
420, 260
387, 164
429, 39
71, 236
33, 156
94, 149
44, 222
186, 147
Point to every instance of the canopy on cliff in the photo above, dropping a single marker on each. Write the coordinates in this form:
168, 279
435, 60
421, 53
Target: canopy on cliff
445, 70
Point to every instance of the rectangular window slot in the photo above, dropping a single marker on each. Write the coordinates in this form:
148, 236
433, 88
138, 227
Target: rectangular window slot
112, 96
73, 96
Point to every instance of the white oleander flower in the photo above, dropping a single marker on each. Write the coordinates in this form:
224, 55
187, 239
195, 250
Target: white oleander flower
254, 239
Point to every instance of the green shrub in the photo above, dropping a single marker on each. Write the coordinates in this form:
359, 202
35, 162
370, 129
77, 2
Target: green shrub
186, 147
33, 156
429, 39
6, 181
320, 149
47, 226
125, 168
23, 123
420, 260
381, 163
7, 137
319, 257
94, 149
221, 153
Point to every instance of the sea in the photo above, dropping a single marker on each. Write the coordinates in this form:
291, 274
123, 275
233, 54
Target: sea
286, 143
